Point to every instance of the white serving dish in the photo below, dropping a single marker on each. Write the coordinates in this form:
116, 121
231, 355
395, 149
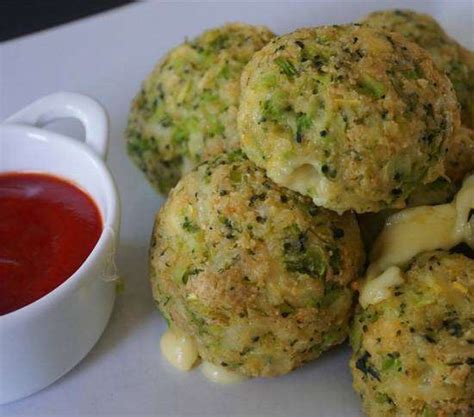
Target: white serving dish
43, 340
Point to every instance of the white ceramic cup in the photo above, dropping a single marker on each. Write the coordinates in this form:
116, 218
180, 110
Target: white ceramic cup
42, 341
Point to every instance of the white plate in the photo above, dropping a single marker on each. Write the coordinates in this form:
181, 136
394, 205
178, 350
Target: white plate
107, 56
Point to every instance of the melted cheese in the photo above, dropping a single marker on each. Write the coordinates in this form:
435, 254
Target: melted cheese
220, 374
421, 229
179, 349
464, 204
380, 288
411, 232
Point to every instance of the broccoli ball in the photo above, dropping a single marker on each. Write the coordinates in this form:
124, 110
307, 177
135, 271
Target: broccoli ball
258, 274
414, 351
459, 160
440, 191
351, 116
186, 110
456, 61
458, 163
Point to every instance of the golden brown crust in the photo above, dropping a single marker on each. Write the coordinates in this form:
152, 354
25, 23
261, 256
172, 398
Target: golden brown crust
186, 110
353, 117
413, 352
256, 273
449, 56
459, 160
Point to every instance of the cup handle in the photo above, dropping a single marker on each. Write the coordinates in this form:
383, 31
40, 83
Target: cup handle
63, 105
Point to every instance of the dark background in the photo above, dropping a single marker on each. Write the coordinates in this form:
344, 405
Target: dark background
21, 17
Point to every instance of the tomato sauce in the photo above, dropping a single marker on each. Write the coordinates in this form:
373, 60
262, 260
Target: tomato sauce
48, 227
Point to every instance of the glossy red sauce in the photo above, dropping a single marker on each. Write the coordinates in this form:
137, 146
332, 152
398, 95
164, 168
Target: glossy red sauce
48, 227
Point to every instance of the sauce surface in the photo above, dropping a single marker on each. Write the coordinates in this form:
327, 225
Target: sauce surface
48, 227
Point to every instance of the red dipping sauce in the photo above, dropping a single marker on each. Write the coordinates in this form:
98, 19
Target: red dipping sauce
48, 227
